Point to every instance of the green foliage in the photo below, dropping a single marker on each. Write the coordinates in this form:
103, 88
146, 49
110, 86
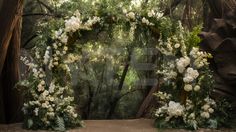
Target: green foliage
60, 124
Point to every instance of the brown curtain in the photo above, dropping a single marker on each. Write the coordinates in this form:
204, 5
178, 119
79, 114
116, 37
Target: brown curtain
10, 25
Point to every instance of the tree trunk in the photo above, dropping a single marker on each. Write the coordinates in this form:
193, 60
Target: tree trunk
10, 26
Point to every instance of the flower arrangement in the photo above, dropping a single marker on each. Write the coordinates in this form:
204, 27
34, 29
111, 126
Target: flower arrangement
184, 95
186, 85
50, 100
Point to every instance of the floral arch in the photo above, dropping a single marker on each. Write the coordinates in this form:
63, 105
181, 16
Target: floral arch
184, 95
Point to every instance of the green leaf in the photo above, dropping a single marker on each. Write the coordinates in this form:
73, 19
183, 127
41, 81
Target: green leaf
30, 123
213, 124
60, 124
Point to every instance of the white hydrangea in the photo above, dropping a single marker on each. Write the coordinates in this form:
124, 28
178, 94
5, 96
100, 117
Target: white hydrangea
182, 63
92, 21
175, 109
190, 75
205, 115
72, 24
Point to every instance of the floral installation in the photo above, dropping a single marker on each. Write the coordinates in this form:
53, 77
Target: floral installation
50, 103
186, 88
186, 85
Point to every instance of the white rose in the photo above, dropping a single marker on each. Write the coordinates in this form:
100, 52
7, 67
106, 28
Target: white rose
188, 87
210, 110
205, 115
177, 45
205, 107
197, 88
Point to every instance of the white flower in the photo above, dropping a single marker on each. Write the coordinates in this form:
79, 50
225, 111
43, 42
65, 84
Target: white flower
193, 52
206, 107
188, 87
71, 58
42, 82
65, 48
162, 96
75, 115
210, 110
159, 15
190, 75
205, 115
192, 116
51, 114
146, 21
36, 111
131, 15
177, 45
77, 13
51, 99
40, 87
55, 46
92, 21
37, 54
55, 63
175, 109
41, 75
72, 24
24, 110
58, 33
45, 104
51, 87
197, 88
151, 13
182, 63
171, 75
124, 11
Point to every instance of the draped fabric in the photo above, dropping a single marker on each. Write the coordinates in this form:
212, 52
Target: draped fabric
10, 16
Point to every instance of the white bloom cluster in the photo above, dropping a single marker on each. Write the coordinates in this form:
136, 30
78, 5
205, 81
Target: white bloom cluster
173, 109
190, 75
92, 21
182, 63
200, 57
72, 24
131, 15
207, 108
71, 58
152, 13
162, 95
58, 3
46, 55
146, 21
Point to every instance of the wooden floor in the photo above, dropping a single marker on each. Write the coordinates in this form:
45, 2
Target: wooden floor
136, 125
